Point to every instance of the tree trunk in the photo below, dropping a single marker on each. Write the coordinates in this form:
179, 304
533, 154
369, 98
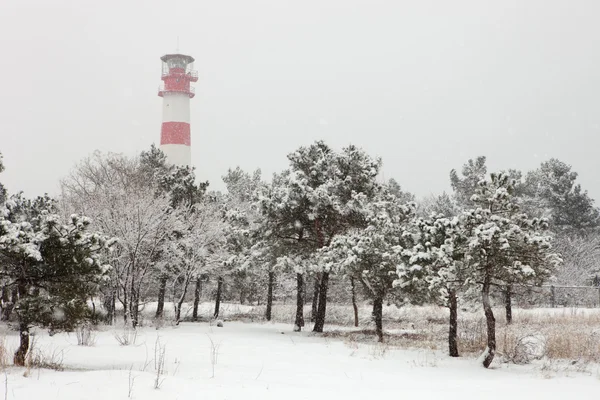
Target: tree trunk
10, 303
109, 306
197, 294
322, 309
490, 352
378, 317
186, 285
178, 306
315, 299
5, 302
270, 296
125, 303
218, 299
178, 312
354, 302
299, 323
453, 331
94, 314
508, 303
162, 290
113, 308
134, 308
21, 353
134, 305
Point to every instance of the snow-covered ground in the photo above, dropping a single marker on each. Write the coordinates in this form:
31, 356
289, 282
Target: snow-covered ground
268, 361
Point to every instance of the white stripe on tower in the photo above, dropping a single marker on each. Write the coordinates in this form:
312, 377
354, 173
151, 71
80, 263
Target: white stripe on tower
175, 135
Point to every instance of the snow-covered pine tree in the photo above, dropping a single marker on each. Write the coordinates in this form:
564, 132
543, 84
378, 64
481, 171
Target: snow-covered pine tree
442, 204
307, 205
370, 254
281, 226
249, 271
178, 182
505, 247
394, 188
472, 173
2, 188
55, 265
241, 218
581, 267
433, 270
553, 187
264, 260
6, 303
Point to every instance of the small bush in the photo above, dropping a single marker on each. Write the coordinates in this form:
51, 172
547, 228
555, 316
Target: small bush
85, 335
378, 350
160, 351
214, 354
126, 337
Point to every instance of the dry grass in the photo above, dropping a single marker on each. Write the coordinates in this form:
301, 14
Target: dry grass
5, 355
554, 334
570, 342
38, 359
564, 335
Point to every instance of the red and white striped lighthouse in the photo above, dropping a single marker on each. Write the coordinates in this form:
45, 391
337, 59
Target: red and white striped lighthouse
175, 134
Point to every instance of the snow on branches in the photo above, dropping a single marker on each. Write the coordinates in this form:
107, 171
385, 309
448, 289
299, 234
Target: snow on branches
54, 265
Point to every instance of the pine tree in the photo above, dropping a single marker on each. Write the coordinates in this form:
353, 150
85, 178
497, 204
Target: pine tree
433, 270
55, 266
505, 247
241, 235
310, 203
394, 188
2, 188
370, 254
473, 172
442, 204
570, 208
179, 182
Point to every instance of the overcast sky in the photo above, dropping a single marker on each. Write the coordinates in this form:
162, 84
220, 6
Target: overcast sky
424, 84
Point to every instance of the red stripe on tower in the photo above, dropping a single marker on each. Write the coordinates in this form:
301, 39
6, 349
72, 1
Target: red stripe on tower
175, 133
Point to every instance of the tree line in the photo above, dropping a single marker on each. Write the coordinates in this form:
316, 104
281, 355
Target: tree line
125, 230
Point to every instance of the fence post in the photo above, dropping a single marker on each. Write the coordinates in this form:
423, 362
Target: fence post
553, 296
598, 296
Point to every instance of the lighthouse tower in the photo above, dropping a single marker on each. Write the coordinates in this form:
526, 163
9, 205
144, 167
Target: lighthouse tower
176, 91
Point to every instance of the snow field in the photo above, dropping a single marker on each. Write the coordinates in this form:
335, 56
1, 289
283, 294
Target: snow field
268, 361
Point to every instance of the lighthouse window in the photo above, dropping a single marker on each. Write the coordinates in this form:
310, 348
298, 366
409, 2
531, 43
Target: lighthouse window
176, 63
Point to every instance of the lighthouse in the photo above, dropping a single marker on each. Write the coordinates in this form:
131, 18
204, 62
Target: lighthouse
175, 134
